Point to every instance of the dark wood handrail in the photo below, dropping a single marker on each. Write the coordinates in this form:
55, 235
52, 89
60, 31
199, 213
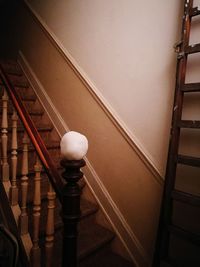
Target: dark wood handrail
33, 134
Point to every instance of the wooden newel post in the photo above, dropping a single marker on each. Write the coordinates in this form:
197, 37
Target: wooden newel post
73, 148
71, 210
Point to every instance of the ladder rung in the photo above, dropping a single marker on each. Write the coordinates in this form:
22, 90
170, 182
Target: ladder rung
189, 236
186, 198
191, 87
189, 124
194, 12
191, 49
186, 160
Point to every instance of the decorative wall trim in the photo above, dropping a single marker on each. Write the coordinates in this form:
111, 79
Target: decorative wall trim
113, 214
132, 140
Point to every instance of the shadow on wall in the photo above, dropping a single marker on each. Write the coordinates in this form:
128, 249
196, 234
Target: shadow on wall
8, 11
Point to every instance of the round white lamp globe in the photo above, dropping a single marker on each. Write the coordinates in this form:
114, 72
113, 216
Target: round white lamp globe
74, 146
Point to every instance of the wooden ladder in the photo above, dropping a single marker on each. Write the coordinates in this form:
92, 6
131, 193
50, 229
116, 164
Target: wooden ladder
173, 239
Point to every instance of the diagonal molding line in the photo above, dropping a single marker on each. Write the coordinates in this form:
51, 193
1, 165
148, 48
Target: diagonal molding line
132, 140
110, 209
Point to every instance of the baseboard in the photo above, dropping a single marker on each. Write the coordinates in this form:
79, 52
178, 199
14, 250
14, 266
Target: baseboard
113, 214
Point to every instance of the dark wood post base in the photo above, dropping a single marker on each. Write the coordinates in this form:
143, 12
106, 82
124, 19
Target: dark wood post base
71, 210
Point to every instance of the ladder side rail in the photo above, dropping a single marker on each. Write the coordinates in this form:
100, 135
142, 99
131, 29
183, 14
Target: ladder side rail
162, 242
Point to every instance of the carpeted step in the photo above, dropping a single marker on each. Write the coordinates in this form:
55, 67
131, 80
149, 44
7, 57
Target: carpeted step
44, 187
43, 129
90, 240
19, 81
11, 67
87, 210
33, 112
28, 98
30, 107
53, 145
26, 94
53, 150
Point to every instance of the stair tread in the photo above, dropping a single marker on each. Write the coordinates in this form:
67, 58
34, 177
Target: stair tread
105, 259
32, 112
11, 68
191, 49
93, 238
90, 239
87, 208
19, 81
186, 198
24, 96
189, 236
189, 124
31, 172
28, 98
188, 160
191, 87
44, 187
49, 145
40, 128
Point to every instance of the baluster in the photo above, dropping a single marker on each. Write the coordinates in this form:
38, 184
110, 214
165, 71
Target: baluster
51, 196
4, 137
73, 148
14, 188
23, 218
35, 251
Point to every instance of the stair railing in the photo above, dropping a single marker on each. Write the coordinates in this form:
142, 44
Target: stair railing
67, 192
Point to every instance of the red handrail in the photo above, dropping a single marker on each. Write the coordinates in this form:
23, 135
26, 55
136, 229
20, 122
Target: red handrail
33, 134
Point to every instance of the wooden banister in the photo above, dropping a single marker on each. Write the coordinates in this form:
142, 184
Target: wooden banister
33, 134
74, 147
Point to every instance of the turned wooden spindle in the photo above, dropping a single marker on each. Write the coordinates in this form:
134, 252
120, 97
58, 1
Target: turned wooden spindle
14, 188
4, 137
74, 146
49, 240
23, 218
35, 250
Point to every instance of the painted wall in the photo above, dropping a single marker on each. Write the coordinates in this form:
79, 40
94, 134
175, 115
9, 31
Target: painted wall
126, 50
125, 185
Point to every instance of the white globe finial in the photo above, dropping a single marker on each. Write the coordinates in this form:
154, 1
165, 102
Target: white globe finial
74, 146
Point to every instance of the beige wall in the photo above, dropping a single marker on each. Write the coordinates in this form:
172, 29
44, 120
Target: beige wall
126, 51
132, 189
125, 48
